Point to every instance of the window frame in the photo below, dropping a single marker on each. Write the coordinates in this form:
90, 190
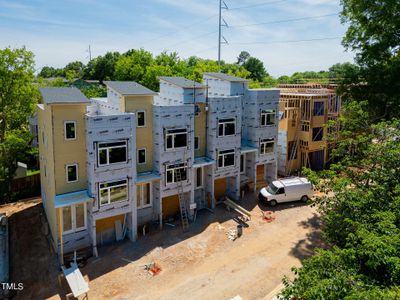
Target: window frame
198, 143
65, 131
74, 229
319, 113
201, 179
320, 132
173, 134
145, 156
173, 169
224, 122
264, 142
244, 163
109, 191
140, 188
144, 118
66, 172
223, 153
108, 153
266, 112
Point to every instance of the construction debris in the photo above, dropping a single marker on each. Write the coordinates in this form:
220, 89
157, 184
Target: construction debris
232, 205
268, 216
234, 233
153, 268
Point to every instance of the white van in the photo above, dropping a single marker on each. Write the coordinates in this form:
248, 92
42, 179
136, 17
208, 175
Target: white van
285, 190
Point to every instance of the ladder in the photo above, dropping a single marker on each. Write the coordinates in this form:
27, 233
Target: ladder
295, 145
182, 201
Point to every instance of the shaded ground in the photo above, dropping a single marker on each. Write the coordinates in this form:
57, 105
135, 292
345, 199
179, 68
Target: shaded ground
200, 264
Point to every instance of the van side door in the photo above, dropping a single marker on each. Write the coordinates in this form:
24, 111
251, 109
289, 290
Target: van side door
280, 195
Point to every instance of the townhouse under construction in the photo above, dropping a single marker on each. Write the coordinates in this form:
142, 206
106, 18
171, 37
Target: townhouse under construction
112, 167
305, 111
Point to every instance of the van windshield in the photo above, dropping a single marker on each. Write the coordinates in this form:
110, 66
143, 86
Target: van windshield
272, 189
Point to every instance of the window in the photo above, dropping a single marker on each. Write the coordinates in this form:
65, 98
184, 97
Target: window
176, 138
199, 178
143, 195
72, 173
266, 146
292, 152
268, 117
280, 191
319, 108
226, 158
176, 173
141, 118
226, 127
111, 192
111, 153
74, 218
317, 134
69, 130
242, 163
196, 143
141, 156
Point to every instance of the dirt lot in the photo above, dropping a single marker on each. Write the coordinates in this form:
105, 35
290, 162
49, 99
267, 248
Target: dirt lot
199, 264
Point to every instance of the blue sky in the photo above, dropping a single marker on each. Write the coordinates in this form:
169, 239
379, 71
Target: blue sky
60, 31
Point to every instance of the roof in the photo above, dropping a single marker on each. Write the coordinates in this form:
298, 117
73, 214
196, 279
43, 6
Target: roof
182, 82
71, 198
127, 88
202, 161
62, 95
147, 176
247, 149
290, 181
225, 77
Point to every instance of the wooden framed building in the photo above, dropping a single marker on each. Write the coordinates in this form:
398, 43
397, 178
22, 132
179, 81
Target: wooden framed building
305, 111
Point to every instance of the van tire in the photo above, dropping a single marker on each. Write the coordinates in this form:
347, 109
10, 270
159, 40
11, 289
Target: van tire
273, 202
304, 198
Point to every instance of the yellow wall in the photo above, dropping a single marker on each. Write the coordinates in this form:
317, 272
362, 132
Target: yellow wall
56, 152
144, 135
46, 154
69, 152
200, 130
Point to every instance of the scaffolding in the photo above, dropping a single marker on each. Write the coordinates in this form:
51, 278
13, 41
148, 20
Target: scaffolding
306, 112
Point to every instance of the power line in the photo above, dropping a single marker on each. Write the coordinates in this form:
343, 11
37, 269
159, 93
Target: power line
286, 20
181, 30
258, 4
289, 41
189, 40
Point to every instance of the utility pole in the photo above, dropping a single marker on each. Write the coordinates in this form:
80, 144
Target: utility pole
90, 53
222, 5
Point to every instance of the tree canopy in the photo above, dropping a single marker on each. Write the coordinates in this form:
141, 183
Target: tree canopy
18, 96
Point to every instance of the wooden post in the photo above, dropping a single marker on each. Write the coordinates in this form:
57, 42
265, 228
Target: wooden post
60, 236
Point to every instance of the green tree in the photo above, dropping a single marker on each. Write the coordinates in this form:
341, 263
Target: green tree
256, 68
47, 72
132, 65
18, 97
360, 212
102, 67
76, 66
374, 34
243, 57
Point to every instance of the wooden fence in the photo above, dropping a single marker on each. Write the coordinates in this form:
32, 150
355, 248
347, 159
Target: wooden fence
26, 183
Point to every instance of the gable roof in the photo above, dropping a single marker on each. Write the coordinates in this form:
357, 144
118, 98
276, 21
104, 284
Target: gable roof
182, 82
127, 88
62, 95
225, 77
